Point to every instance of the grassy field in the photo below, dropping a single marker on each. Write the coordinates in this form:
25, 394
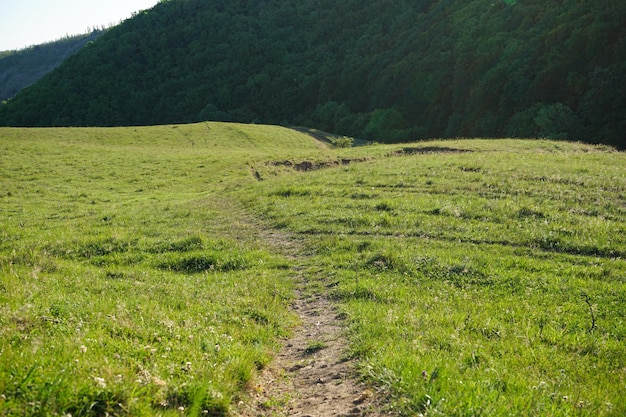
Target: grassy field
477, 277
131, 282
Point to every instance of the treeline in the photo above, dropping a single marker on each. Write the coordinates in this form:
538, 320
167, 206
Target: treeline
380, 70
19, 69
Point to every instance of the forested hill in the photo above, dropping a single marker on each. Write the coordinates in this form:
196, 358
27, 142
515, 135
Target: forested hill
386, 70
19, 69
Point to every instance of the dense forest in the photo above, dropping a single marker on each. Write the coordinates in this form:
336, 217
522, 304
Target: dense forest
19, 69
379, 70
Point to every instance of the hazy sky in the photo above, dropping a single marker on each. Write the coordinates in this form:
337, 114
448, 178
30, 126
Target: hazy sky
32, 22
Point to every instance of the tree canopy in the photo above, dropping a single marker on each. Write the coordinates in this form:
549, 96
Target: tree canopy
381, 70
19, 69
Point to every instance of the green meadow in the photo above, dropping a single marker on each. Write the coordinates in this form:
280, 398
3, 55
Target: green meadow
476, 277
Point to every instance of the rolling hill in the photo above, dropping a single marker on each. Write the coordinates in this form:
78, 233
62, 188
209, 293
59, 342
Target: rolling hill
150, 271
19, 69
383, 71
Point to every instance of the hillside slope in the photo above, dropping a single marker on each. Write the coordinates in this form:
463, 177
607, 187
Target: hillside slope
19, 69
380, 70
155, 270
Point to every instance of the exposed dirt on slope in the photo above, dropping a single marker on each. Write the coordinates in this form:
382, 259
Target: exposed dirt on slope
305, 166
421, 150
310, 376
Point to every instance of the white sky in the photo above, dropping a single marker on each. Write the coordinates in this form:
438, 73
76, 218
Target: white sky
32, 22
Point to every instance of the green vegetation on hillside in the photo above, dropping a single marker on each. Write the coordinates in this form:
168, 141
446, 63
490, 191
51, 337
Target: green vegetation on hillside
130, 282
384, 71
476, 277
19, 69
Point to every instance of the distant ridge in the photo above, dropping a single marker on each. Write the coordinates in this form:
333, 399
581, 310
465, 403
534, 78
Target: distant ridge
21, 68
385, 71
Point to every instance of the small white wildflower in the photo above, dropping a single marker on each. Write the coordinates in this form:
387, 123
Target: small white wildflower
83, 348
100, 382
158, 381
181, 409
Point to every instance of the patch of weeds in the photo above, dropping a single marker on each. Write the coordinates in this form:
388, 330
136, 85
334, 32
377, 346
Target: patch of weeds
92, 249
184, 245
459, 275
291, 192
555, 243
470, 168
276, 402
258, 317
195, 400
358, 293
382, 262
114, 274
437, 211
462, 276
200, 262
349, 221
363, 246
342, 141
488, 333
41, 260
114, 259
361, 196
98, 403
383, 206
104, 246
473, 360
525, 212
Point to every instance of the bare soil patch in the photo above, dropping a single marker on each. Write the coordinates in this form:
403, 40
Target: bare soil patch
427, 150
304, 166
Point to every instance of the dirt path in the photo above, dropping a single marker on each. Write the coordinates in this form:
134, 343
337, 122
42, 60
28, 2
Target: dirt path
310, 376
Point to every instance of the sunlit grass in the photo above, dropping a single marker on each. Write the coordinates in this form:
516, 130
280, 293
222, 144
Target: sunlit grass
131, 284
478, 277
